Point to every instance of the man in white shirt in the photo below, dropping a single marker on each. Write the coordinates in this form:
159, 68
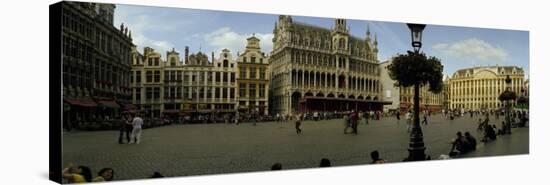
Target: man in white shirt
316, 115
137, 122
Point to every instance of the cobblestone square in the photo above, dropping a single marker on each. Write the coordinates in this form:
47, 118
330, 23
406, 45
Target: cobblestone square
199, 149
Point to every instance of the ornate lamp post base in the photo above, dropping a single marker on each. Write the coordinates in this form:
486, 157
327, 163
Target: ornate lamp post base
416, 145
506, 97
508, 123
416, 154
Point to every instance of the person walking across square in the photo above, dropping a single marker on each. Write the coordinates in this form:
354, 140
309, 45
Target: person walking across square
298, 123
136, 131
124, 129
425, 119
354, 117
347, 123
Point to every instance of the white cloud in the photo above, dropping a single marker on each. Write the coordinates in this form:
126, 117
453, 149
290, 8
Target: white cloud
227, 38
163, 32
160, 46
474, 50
139, 24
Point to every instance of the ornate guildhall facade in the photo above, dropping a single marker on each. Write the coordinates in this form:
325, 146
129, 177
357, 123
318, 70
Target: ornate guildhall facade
194, 85
173, 87
253, 79
320, 69
96, 63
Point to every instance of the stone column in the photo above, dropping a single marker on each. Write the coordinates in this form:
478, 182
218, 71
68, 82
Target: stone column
494, 97
294, 77
315, 80
485, 92
461, 93
474, 93
478, 94
325, 81
289, 103
337, 81
303, 78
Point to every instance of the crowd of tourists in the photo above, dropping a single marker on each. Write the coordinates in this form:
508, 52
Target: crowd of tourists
83, 174
132, 127
325, 162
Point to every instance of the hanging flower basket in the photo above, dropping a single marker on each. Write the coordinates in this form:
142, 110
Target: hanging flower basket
507, 95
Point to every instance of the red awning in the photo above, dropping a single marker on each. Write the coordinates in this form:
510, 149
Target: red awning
343, 99
130, 107
109, 103
80, 102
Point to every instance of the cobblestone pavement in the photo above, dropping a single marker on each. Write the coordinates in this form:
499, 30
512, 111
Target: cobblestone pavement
183, 150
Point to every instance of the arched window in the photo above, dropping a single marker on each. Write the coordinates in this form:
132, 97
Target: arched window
225, 63
342, 43
172, 61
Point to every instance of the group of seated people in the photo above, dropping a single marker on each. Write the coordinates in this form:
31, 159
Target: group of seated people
490, 132
463, 144
375, 156
83, 174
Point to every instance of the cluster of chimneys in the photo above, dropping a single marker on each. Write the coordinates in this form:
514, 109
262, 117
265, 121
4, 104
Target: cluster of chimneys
125, 30
186, 54
147, 50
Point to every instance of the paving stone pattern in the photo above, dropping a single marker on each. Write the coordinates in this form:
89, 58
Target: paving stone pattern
200, 149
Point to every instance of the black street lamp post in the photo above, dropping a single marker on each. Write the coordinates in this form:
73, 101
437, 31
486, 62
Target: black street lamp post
506, 97
416, 144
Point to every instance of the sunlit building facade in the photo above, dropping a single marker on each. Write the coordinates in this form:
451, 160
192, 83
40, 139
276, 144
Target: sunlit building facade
428, 100
175, 87
478, 88
253, 79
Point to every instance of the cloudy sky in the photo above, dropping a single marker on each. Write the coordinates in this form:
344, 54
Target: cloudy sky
211, 31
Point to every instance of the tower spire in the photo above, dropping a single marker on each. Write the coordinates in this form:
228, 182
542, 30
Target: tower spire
375, 39
368, 33
340, 25
368, 29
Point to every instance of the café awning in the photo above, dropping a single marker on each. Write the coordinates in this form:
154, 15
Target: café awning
129, 107
108, 103
80, 102
304, 99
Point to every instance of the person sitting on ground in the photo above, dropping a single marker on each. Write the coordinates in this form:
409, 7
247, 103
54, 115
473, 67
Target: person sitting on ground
105, 174
375, 156
277, 166
80, 174
459, 145
499, 131
480, 125
325, 163
489, 134
157, 175
472, 143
